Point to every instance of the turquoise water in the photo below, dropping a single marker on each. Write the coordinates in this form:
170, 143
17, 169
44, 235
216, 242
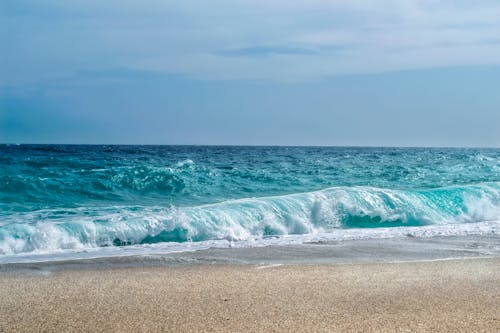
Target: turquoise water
56, 198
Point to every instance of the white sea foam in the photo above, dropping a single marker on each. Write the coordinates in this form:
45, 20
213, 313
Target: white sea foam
341, 213
491, 228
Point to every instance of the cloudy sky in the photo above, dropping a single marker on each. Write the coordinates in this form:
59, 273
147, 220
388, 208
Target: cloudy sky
341, 72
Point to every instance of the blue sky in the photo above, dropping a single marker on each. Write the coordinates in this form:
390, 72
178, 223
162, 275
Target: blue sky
386, 72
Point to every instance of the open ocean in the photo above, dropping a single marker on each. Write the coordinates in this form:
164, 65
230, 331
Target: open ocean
111, 200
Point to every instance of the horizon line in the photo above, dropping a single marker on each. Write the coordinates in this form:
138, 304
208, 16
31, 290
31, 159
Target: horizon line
246, 145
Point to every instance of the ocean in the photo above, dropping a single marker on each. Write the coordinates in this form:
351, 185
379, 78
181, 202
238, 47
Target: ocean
73, 201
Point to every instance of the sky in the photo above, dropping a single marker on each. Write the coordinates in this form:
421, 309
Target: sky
317, 72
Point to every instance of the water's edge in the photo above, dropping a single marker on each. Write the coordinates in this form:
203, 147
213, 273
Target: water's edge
405, 249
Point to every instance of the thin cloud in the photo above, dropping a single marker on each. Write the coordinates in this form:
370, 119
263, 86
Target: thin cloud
266, 51
262, 40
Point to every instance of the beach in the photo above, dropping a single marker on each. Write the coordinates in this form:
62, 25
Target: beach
249, 166
458, 295
249, 239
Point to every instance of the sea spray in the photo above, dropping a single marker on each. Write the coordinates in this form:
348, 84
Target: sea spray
302, 213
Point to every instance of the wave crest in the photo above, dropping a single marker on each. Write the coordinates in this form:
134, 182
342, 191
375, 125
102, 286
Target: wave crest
303, 213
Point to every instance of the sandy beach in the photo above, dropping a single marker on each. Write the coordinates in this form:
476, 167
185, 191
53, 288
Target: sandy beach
460, 295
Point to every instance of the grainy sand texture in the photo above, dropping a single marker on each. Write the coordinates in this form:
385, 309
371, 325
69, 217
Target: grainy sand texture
431, 296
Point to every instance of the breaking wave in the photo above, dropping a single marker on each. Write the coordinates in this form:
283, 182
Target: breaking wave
328, 210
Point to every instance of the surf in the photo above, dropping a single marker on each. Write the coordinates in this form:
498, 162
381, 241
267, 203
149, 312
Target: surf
308, 213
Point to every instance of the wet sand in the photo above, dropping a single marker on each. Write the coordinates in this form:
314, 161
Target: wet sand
460, 295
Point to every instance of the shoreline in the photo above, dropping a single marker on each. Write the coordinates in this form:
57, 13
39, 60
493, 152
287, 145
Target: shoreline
407, 249
428, 296
436, 284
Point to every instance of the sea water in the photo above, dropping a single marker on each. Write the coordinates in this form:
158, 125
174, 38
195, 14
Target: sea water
78, 199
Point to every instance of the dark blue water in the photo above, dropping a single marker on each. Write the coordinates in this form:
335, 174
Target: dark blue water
75, 197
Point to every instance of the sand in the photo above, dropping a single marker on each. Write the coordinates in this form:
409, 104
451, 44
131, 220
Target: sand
431, 296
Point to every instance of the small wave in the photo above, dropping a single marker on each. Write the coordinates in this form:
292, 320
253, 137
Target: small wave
303, 213
114, 184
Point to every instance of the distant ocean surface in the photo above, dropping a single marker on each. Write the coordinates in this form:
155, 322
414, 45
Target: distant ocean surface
69, 199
